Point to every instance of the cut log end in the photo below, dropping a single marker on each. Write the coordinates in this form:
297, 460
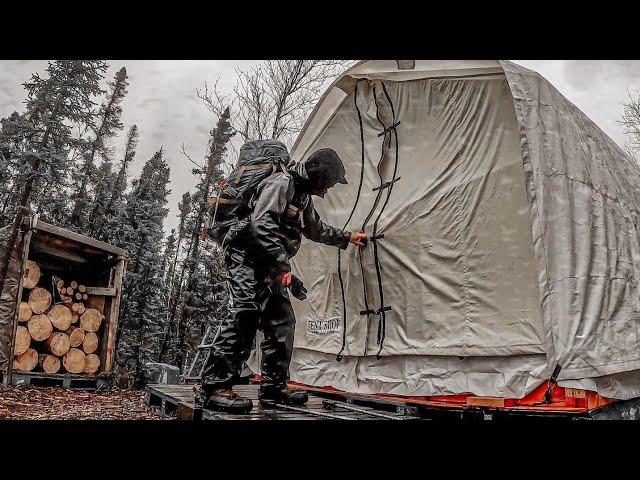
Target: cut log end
58, 343
74, 284
73, 361
90, 343
31, 274
25, 312
91, 364
23, 340
76, 336
90, 320
60, 317
39, 300
40, 327
82, 288
27, 361
50, 364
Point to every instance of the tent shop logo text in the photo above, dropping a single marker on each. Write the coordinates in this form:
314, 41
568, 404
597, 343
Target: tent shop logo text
322, 327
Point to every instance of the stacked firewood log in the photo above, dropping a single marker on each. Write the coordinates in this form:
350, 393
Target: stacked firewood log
56, 333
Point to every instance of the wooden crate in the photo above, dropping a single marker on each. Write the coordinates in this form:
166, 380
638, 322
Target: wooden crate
98, 265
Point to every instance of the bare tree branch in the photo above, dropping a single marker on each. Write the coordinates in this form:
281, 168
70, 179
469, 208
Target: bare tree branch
183, 151
274, 98
631, 122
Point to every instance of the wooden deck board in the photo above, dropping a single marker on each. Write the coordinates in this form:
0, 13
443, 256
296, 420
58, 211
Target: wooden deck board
160, 395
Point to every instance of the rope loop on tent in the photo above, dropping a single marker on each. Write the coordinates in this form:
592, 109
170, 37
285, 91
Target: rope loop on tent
387, 132
344, 302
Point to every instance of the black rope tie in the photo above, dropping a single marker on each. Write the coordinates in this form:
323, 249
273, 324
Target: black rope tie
389, 128
375, 237
339, 356
387, 133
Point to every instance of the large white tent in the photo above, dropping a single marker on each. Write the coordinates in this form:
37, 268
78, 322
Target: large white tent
510, 238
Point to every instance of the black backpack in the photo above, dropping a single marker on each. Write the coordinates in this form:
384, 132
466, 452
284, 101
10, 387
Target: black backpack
258, 160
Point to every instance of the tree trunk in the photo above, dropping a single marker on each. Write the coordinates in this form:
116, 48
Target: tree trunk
164, 346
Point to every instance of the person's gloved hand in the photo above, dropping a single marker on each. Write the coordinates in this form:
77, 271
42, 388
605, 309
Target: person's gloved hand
285, 279
358, 238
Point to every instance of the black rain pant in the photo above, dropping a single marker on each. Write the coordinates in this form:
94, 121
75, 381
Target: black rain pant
253, 304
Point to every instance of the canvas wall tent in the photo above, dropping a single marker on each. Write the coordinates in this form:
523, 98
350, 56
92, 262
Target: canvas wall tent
510, 238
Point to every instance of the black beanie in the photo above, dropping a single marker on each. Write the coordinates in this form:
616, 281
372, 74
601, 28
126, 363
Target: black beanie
324, 168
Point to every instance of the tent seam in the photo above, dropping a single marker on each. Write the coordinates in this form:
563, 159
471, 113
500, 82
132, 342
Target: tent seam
540, 219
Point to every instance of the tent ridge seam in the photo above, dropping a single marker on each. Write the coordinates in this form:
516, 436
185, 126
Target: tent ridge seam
530, 179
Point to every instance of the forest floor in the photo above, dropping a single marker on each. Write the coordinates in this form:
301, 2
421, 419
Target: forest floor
55, 403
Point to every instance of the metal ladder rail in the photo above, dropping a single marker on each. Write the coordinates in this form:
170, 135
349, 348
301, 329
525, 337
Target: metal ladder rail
203, 348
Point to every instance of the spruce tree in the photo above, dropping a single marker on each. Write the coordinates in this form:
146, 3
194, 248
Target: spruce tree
55, 104
13, 140
103, 217
109, 125
210, 175
167, 257
140, 231
184, 227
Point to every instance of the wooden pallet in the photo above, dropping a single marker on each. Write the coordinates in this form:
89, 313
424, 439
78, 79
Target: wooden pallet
80, 382
178, 400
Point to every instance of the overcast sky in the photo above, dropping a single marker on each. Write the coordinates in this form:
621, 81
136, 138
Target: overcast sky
163, 103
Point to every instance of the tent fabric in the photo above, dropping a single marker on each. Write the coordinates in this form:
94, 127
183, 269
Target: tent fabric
585, 193
457, 254
511, 241
419, 375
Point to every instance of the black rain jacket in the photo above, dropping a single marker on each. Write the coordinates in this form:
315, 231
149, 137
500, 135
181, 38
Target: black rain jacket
280, 214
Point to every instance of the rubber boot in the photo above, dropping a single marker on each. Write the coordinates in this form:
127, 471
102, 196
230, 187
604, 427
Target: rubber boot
285, 396
222, 399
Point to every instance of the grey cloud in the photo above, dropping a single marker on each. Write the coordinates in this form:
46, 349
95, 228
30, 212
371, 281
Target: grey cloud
162, 101
148, 102
202, 129
582, 74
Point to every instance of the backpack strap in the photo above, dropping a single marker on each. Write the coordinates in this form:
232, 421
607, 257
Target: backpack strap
257, 166
285, 170
299, 210
223, 201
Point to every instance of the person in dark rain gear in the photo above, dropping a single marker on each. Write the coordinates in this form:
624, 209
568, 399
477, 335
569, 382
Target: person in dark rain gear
258, 275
